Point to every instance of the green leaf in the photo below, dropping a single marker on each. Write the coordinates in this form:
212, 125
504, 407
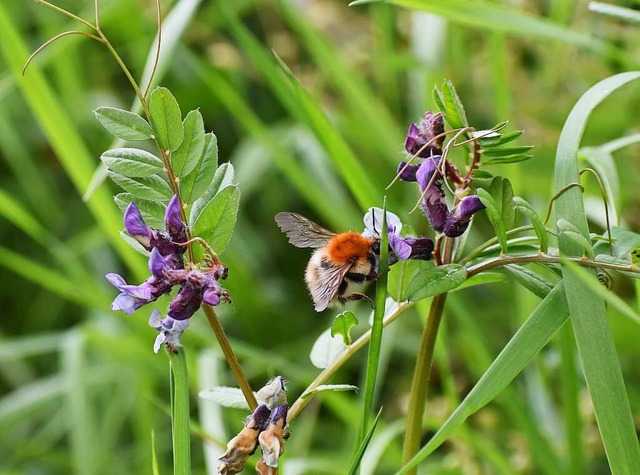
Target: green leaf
625, 241
217, 219
135, 245
506, 151
401, 274
196, 183
597, 288
132, 162
166, 119
187, 156
438, 100
151, 188
502, 192
493, 213
482, 178
329, 387
600, 363
568, 230
326, 349
152, 211
506, 159
530, 280
342, 325
437, 280
225, 396
455, 114
222, 178
123, 124
532, 336
489, 142
523, 207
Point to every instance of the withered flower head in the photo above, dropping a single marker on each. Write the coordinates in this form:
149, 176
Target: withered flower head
274, 393
245, 443
271, 439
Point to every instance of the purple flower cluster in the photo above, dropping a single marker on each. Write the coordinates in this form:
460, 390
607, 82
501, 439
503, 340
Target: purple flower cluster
429, 176
167, 268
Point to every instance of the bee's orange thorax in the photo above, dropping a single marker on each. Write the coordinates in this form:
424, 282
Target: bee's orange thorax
348, 247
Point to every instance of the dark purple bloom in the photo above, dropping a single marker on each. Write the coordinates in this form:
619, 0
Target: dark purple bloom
402, 248
167, 268
196, 286
137, 228
422, 133
170, 330
166, 242
173, 221
458, 220
133, 297
430, 182
421, 247
407, 172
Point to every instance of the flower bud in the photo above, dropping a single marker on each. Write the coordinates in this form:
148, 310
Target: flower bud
244, 444
458, 221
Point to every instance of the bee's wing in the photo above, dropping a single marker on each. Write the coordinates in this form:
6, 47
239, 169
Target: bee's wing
329, 280
303, 232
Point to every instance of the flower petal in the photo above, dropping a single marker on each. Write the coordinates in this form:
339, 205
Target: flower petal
136, 227
173, 220
373, 222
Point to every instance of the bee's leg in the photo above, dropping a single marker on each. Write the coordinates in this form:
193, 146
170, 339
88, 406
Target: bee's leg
359, 278
353, 297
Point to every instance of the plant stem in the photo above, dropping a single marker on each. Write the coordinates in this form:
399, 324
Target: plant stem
546, 259
422, 371
351, 350
420, 382
230, 356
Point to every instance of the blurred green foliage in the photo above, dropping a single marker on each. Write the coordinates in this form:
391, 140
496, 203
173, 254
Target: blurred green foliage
81, 388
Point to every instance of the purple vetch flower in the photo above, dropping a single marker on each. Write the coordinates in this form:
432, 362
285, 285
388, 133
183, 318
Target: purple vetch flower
402, 248
173, 221
460, 216
430, 126
170, 330
407, 172
165, 241
167, 268
430, 182
132, 297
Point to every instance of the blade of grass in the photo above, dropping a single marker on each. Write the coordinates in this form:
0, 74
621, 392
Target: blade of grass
180, 413
301, 179
363, 445
571, 402
589, 316
304, 108
76, 160
532, 336
52, 280
83, 432
375, 344
383, 133
499, 18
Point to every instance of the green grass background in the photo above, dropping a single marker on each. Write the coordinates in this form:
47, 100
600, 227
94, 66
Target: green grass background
80, 388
